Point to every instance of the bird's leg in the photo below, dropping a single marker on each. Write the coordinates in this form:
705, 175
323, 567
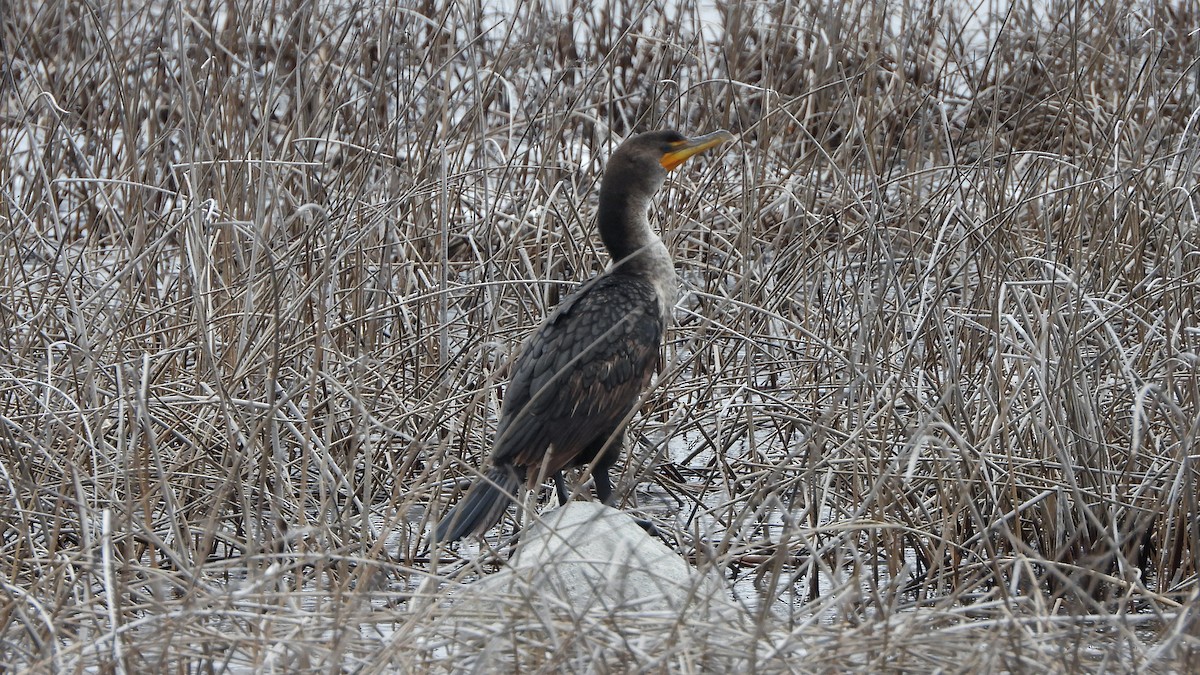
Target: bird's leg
603, 485
604, 490
605, 451
560, 486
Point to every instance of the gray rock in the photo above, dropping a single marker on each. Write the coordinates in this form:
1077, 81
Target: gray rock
588, 588
588, 555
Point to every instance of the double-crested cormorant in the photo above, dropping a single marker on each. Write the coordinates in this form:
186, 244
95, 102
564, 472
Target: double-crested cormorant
581, 373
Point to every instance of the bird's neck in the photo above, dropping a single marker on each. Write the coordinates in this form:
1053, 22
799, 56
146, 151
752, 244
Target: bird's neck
625, 230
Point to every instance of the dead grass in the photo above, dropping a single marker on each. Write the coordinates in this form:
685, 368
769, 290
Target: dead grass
931, 402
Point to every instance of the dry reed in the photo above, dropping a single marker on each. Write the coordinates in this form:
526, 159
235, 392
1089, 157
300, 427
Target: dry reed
931, 402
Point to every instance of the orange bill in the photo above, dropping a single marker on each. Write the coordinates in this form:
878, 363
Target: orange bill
682, 150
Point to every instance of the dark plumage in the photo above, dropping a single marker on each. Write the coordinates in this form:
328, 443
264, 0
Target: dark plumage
580, 375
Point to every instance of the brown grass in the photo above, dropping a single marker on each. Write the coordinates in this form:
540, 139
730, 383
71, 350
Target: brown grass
931, 403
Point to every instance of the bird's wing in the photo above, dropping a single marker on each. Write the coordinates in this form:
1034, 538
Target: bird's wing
581, 372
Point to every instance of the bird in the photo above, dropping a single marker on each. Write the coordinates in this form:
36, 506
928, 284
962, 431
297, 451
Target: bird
581, 373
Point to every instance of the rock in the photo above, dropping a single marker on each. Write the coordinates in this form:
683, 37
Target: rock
587, 585
589, 555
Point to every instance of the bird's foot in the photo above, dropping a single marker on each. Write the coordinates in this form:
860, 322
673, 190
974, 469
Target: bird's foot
650, 528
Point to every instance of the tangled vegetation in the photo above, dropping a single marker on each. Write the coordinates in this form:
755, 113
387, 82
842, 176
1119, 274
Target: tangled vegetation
931, 401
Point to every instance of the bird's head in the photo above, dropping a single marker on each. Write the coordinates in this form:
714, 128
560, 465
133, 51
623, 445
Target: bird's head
641, 163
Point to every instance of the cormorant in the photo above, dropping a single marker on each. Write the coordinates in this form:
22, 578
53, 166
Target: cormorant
580, 375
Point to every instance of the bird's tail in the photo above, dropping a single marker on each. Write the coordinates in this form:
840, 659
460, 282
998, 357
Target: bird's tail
484, 505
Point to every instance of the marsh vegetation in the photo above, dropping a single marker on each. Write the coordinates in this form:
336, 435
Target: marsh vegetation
930, 403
